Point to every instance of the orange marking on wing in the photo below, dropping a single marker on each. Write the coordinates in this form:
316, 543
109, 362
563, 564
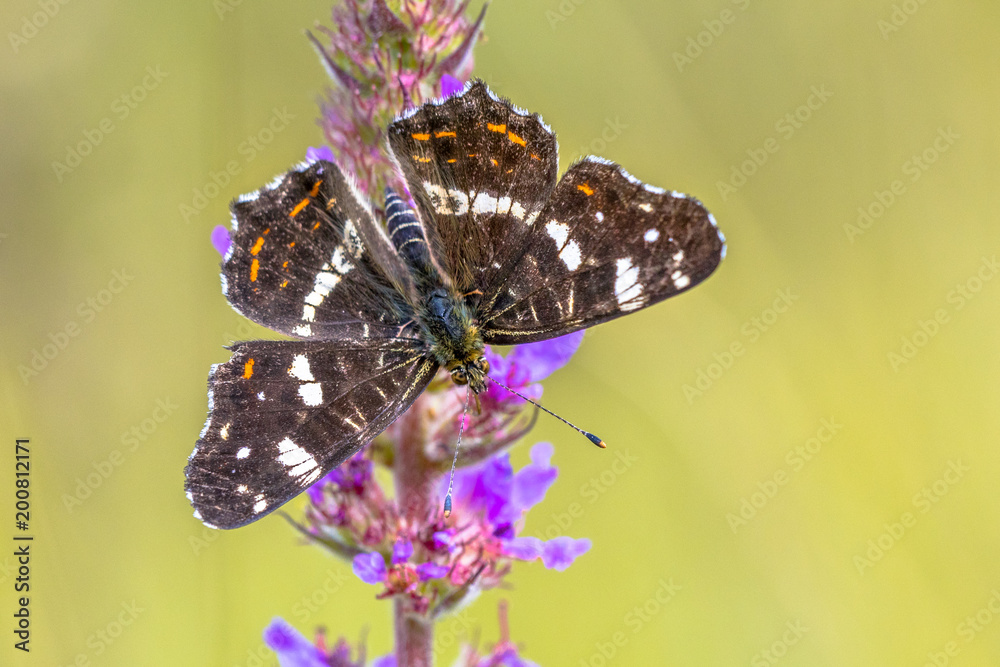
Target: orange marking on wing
502, 129
473, 154
285, 265
495, 163
451, 160
298, 207
257, 246
315, 188
330, 204
516, 139
316, 226
253, 270
585, 189
284, 284
444, 134
535, 157
248, 369
420, 136
267, 231
421, 159
292, 244
509, 171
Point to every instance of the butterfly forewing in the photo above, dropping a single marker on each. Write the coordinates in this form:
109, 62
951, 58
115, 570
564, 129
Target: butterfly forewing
480, 171
605, 245
284, 413
302, 260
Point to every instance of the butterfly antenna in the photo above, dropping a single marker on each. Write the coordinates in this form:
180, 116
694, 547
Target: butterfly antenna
590, 436
454, 461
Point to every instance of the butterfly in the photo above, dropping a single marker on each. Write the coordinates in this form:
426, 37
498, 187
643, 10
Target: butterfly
491, 248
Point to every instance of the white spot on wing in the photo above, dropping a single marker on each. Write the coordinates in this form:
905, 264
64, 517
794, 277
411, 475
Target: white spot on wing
627, 286
570, 255
651, 235
484, 203
224, 432
339, 262
260, 504
298, 460
447, 202
309, 313
325, 281
646, 207
312, 393
680, 280
599, 216
300, 369
569, 251
559, 232
243, 453
260, 396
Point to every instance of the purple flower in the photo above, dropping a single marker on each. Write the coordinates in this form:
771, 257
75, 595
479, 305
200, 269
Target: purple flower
431, 571
542, 359
351, 475
528, 364
385, 661
401, 551
321, 153
524, 548
293, 649
503, 497
221, 240
370, 568
450, 85
560, 552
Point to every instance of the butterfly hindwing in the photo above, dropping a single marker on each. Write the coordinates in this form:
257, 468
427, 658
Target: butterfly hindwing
480, 170
605, 245
284, 413
302, 259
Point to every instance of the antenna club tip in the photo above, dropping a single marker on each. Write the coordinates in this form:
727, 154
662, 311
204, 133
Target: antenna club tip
447, 506
594, 439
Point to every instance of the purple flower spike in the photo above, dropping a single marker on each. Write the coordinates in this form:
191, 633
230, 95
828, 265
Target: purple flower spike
221, 240
542, 359
431, 571
450, 85
385, 661
533, 480
559, 553
401, 551
293, 649
369, 568
321, 153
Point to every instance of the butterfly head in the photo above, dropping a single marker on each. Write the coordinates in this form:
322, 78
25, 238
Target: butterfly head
471, 371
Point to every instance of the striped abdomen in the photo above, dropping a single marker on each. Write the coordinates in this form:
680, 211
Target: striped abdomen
406, 232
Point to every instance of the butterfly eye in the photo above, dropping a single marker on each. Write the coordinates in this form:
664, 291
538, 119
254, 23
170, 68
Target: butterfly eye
459, 376
483, 365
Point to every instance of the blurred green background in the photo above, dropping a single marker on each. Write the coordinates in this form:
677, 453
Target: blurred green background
811, 435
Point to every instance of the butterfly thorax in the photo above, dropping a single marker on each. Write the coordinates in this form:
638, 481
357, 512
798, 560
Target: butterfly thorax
456, 343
